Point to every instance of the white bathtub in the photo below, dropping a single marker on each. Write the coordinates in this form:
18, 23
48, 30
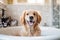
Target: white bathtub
47, 33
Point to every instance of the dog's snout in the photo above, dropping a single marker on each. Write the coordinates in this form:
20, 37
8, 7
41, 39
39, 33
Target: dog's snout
31, 17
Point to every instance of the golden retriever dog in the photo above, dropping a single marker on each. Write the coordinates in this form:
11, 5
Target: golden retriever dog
30, 20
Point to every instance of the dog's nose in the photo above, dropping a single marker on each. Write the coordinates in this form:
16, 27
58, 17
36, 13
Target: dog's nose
31, 17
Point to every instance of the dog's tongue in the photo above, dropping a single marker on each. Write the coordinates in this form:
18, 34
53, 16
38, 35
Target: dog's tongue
31, 23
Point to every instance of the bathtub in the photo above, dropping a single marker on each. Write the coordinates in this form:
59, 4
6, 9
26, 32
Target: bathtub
47, 33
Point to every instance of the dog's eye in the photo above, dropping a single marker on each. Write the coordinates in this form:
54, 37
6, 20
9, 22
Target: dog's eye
27, 14
34, 14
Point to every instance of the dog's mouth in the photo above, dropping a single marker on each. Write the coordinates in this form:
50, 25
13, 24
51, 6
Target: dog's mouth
30, 22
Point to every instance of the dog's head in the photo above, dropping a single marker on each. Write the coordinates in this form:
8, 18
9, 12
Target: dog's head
30, 17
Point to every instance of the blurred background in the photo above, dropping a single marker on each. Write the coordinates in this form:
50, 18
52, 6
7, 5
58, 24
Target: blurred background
49, 10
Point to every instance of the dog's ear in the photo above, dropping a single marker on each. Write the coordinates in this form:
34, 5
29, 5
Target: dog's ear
38, 17
22, 18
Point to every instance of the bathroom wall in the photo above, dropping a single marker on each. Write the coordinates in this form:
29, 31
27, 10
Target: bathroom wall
2, 6
15, 12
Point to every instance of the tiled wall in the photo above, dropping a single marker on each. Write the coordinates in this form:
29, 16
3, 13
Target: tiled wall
16, 10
